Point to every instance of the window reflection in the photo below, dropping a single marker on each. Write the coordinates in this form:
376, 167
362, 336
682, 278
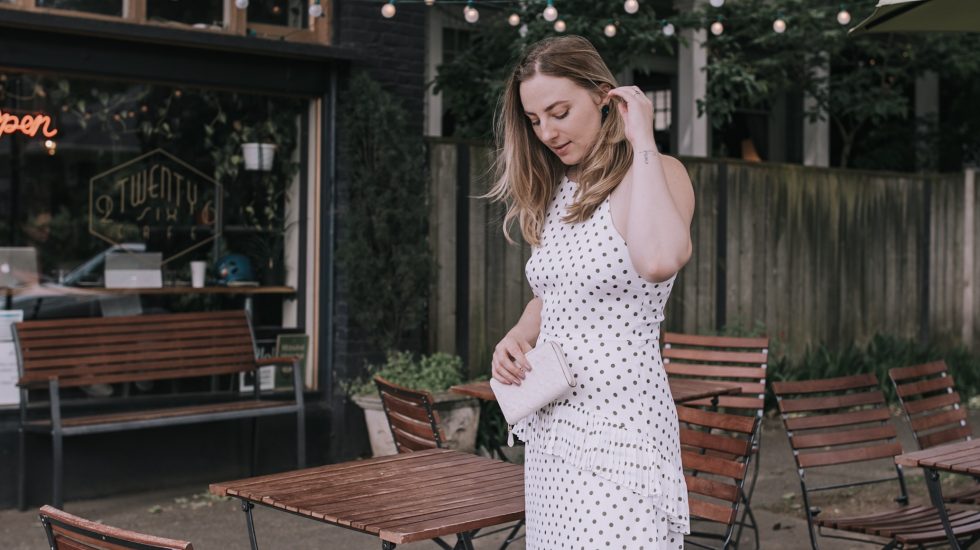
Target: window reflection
199, 13
103, 7
46, 183
284, 13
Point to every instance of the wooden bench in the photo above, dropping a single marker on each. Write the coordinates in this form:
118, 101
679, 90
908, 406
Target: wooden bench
70, 353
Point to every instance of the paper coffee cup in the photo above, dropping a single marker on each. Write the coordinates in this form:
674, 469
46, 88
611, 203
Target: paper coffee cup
197, 274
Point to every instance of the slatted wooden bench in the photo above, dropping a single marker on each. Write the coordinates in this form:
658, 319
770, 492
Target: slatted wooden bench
70, 353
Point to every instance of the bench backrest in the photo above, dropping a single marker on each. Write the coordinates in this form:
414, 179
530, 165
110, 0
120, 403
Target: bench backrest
740, 360
129, 349
69, 532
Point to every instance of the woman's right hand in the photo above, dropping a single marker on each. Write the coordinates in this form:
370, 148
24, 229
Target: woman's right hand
509, 365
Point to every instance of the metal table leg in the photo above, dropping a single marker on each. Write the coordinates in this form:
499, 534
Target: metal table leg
247, 508
936, 495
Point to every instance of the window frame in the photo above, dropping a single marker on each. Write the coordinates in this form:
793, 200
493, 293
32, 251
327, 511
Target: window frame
235, 20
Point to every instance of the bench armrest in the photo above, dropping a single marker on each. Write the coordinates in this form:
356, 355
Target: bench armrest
265, 361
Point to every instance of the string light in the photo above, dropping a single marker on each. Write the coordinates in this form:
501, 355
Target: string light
843, 16
316, 10
550, 13
514, 20
470, 13
631, 6
779, 25
610, 30
559, 26
668, 29
388, 10
429, 2
717, 3
717, 28
241, 4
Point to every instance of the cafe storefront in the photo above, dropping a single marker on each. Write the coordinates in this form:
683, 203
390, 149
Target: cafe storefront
139, 138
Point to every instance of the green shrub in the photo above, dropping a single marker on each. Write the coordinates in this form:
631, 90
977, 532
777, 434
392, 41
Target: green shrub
433, 373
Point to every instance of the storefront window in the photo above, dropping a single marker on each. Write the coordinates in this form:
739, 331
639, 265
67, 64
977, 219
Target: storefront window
103, 7
193, 174
283, 13
199, 13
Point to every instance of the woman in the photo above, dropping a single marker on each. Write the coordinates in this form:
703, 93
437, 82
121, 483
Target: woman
609, 219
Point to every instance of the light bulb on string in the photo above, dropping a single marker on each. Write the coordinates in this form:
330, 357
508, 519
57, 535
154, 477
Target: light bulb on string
560, 26
550, 13
717, 28
631, 6
779, 25
610, 30
241, 4
843, 16
717, 3
388, 10
514, 20
470, 13
429, 2
316, 10
668, 29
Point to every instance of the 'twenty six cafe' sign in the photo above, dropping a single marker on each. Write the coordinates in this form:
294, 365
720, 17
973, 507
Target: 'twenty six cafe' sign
155, 197
29, 125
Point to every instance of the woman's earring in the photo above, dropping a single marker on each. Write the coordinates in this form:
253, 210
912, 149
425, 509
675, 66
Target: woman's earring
605, 112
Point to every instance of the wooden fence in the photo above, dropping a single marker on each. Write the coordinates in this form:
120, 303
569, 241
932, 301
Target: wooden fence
807, 255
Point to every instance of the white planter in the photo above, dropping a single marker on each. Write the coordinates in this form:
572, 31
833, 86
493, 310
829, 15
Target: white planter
258, 156
460, 417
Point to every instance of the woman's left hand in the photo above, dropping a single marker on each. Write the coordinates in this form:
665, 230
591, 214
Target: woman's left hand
637, 112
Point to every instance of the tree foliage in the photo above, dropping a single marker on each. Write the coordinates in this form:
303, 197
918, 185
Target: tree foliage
863, 84
384, 253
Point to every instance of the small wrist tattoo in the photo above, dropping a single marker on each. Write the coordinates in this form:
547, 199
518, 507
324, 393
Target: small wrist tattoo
646, 155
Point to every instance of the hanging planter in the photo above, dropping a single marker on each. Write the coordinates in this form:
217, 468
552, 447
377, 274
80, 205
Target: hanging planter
258, 156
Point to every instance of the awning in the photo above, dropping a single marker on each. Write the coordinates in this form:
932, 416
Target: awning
922, 16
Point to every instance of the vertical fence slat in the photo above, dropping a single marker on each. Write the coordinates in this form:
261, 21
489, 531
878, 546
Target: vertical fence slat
442, 239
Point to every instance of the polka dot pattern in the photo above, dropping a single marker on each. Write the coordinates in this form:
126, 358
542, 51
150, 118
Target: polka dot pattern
602, 466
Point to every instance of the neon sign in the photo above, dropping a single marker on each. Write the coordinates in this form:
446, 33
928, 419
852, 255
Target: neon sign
29, 125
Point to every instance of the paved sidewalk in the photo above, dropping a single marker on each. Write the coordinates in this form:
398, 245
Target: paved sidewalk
217, 524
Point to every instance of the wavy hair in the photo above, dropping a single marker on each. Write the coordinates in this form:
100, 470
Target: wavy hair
526, 172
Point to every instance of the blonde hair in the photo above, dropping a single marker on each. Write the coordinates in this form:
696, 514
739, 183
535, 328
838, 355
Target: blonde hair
526, 172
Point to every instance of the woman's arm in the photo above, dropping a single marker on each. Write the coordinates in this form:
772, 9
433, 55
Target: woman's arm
509, 364
660, 197
661, 206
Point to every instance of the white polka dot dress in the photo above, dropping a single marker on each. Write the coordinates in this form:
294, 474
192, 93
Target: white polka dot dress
602, 466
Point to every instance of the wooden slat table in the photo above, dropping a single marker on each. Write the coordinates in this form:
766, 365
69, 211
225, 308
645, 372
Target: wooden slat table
683, 389
400, 499
958, 458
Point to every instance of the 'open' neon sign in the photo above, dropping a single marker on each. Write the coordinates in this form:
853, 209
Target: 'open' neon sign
29, 125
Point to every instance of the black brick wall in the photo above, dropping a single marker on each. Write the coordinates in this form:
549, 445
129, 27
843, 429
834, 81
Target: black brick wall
392, 51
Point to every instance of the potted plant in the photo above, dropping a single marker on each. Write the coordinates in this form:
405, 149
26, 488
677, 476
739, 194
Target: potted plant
258, 148
459, 415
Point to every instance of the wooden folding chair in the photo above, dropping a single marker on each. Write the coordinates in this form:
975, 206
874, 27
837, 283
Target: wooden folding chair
413, 421
845, 420
716, 450
68, 532
730, 359
933, 410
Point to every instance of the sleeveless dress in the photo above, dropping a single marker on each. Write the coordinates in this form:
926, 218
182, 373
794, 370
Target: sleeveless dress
602, 466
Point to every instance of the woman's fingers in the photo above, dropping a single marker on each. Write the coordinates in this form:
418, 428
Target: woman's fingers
509, 363
502, 374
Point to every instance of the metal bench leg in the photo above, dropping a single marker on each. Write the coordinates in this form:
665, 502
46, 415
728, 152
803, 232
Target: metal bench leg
21, 471
301, 439
936, 495
247, 508
58, 473
254, 455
